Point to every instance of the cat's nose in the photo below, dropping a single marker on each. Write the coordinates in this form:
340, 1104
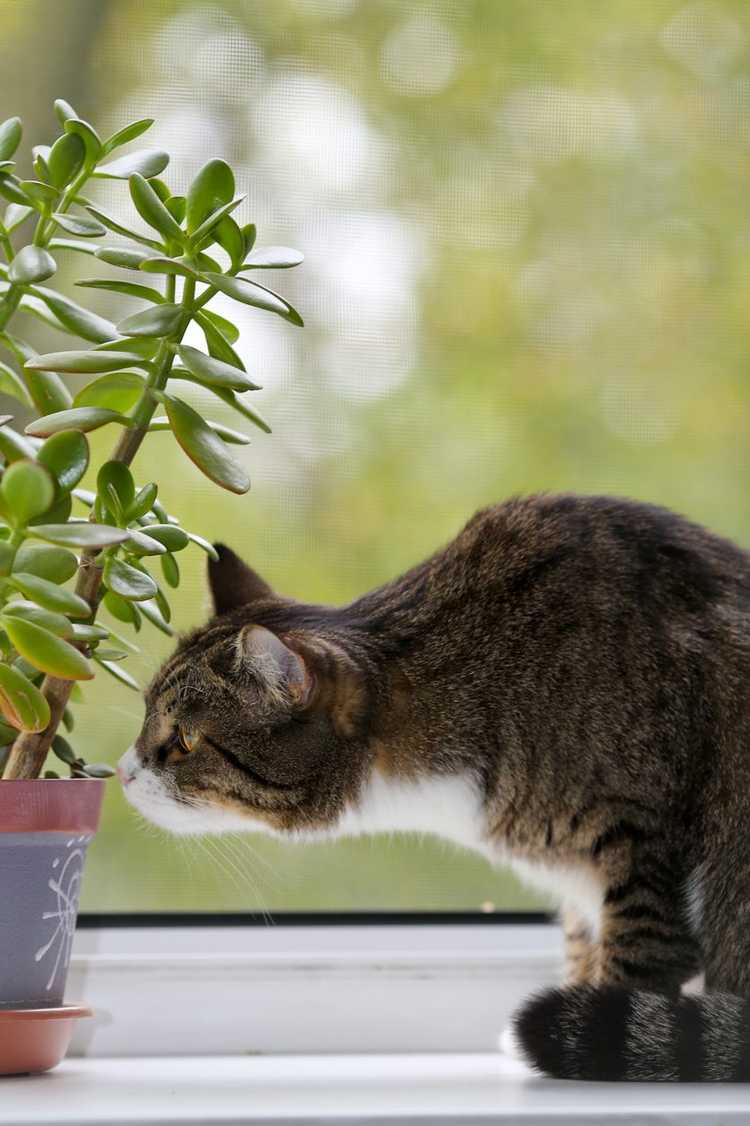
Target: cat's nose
126, 767
124, 776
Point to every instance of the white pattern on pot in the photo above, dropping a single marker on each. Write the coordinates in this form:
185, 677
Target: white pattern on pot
66, 886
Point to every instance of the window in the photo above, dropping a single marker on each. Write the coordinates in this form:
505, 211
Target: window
525, 234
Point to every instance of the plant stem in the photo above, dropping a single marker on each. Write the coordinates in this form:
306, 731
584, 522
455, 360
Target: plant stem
26, 758
6, 244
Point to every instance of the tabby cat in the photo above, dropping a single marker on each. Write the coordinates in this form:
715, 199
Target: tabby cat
566, 688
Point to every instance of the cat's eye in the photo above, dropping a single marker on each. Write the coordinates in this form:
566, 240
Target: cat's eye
187, 739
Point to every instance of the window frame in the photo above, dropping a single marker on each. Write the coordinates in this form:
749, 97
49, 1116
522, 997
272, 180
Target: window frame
303, 984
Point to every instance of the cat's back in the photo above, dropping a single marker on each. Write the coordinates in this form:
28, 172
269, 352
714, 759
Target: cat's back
606, 548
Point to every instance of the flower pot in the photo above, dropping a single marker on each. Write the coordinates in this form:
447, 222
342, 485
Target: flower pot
46, 826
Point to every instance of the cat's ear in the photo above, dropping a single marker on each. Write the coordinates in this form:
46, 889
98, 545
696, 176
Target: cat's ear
282, 670
232, 582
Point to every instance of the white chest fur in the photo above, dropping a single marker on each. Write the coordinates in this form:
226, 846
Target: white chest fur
447, 807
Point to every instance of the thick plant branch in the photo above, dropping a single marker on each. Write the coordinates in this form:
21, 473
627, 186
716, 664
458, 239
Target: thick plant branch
30, 749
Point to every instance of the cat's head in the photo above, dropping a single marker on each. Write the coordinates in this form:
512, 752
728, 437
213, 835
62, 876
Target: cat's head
254, 722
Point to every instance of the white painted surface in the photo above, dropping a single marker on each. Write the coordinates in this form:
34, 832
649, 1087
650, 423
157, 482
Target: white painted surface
460, 1089
306, 989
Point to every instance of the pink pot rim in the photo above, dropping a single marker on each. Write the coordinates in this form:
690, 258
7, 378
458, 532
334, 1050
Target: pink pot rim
50, 805
59, 1012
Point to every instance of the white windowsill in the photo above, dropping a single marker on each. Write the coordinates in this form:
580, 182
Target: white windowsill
460, 1089
332, 990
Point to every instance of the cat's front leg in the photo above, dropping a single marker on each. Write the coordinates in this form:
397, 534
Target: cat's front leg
581, 949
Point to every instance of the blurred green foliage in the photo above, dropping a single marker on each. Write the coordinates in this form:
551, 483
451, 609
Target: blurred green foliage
526, 236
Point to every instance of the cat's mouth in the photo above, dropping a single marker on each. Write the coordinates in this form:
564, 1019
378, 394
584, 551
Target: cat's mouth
151, 795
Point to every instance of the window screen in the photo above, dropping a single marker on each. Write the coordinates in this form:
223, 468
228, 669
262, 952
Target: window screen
527, 243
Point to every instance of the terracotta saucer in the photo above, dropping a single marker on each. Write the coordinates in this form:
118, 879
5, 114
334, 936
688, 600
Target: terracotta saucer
34, 1040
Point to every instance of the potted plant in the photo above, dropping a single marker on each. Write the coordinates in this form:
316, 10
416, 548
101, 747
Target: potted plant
66, 550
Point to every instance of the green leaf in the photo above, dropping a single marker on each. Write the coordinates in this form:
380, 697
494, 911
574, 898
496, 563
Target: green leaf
160, 320
209, 225
229, 237
158, 264
146, 162
113, 225
82, 534
46, 652
30, 612
128, 133
88, 362
31, 264
63, 750
170, 568
10, 137
77, 418
160, 423
211, 189
27, 491
175, 205
77, 319
128, 581
209, 548
14, 446
10, 189
115, 478
40, 193
242, 408
172, 537
273, 258
21, 702
228, 330
88, 135
54, 564
143, 502
118, 391
66, 456
64, 111
152, 210
129, 259
99, 769
38, 309
162, 605
218, 344
65, 159
204, 448
68, 719
143, 544
89, 632
57, 514
130, 289
118, 674
85, 226
251, 293
152, 614
50, 596
12, 384
15, 215
143, 346
249, 233
214, 372
121, 609
73, 244
48, 391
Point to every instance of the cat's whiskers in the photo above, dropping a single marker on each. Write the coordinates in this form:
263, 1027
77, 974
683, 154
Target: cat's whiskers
242, 879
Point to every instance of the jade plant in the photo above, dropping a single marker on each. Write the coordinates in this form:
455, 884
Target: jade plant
67, 550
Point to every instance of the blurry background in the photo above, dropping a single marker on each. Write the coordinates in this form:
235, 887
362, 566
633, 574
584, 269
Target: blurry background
527, 239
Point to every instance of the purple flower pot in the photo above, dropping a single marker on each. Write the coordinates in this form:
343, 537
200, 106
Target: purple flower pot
46, 826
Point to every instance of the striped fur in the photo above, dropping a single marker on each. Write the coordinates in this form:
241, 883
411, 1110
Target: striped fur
612, 1034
